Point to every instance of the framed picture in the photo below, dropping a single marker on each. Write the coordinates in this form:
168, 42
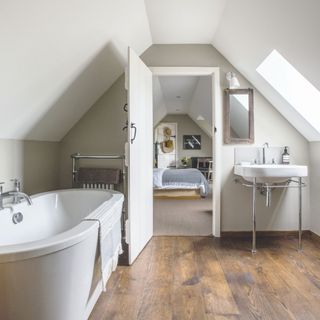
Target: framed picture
192, 142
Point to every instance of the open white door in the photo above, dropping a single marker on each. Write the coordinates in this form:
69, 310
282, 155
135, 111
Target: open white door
140, 169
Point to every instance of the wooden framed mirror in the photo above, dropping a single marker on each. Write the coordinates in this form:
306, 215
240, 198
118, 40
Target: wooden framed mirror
238, 116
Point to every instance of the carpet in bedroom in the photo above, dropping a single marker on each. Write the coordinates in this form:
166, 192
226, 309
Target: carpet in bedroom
182, 217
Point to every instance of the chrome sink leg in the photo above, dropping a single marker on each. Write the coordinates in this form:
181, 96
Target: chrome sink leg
300, 215
254, 216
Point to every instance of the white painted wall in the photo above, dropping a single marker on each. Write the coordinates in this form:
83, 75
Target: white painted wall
35, 163
314, 172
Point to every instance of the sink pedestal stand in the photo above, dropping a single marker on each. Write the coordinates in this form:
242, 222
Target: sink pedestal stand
297, 184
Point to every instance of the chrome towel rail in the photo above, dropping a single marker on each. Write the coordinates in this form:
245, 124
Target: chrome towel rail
77, 156
75, 161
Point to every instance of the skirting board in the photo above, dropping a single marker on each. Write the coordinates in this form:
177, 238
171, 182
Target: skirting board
266, 234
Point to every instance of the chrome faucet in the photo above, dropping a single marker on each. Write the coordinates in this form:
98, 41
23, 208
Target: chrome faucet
16, 195
264, 146
17, 188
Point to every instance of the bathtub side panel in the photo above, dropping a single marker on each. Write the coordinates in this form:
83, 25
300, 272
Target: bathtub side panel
50, 287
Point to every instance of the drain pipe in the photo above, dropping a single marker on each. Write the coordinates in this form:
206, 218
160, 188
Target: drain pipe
268, 195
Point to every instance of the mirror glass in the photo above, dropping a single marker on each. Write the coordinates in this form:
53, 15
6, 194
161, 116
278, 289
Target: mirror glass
238, 116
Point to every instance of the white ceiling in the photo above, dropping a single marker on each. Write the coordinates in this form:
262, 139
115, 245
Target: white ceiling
177, 93
184, 21
249, 30
189, 95
58, 57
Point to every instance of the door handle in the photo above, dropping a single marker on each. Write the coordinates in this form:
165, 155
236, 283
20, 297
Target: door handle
133, 126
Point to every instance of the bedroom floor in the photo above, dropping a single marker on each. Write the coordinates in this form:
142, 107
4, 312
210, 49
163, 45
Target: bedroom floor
203, 278
183, 217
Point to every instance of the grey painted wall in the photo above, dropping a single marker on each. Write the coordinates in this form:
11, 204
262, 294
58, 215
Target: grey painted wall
100, 131
187, 126
269, 126
314, 173
35, 163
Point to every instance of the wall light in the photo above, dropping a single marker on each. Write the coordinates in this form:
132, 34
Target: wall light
233, 80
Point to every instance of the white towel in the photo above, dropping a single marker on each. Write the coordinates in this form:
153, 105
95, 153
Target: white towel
107, 215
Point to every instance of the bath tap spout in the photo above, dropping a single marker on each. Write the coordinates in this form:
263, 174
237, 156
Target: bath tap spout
20, 194
15, 195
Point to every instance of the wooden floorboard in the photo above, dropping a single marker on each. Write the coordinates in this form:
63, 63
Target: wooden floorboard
177, 278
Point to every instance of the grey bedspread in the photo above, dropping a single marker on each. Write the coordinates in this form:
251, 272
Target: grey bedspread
185, 177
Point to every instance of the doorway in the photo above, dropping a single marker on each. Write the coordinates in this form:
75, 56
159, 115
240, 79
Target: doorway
139, 150
183, 156
217, 123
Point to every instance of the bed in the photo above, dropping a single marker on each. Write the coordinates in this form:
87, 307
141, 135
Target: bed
179, 183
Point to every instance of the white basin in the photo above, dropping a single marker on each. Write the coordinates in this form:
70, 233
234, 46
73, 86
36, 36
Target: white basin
270, 173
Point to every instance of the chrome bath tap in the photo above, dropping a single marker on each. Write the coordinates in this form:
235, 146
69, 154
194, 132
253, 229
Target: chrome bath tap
16, 195
17, 188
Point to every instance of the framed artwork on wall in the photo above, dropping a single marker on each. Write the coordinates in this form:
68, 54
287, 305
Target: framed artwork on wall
192, 142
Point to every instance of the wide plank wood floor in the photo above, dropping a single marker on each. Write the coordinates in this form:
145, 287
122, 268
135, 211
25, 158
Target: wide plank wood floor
204, 278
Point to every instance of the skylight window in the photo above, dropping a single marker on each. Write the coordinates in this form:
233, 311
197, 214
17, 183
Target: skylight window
293, 87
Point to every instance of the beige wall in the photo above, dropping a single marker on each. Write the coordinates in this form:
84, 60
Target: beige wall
314, 173
100, 131
269, 126
187, 126
35, 163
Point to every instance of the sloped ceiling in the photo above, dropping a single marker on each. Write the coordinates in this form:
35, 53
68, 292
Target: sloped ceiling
58, 57
184, 21
177, 92
189, 95
249, 30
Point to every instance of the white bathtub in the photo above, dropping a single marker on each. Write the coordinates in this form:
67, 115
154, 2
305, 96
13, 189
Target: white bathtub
49, 263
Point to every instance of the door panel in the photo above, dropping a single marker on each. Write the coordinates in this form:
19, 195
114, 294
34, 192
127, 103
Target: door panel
140, 138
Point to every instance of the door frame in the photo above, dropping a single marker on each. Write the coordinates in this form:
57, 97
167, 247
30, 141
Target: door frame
217, 122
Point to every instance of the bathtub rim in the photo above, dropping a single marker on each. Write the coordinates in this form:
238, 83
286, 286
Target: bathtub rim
59, 241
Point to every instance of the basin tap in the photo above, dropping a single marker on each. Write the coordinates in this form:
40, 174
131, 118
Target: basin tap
264, 146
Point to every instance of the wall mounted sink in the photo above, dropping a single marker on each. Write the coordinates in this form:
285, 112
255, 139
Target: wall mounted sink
270, 173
